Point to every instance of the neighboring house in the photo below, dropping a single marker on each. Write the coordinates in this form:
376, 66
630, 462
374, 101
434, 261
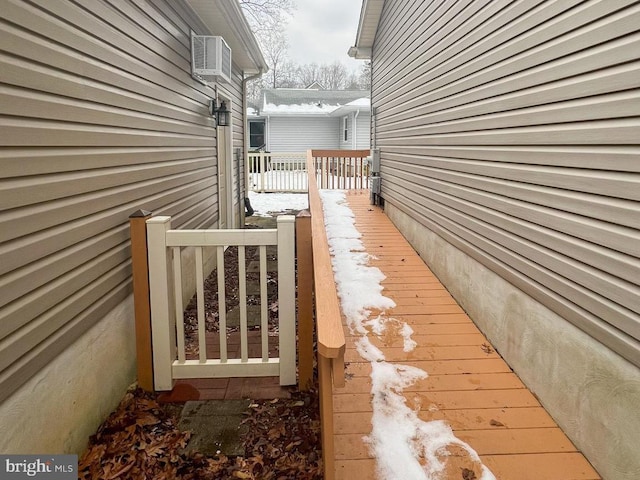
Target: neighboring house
294, 120
509, 142
100, 117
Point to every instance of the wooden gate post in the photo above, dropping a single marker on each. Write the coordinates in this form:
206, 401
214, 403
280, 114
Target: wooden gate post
140, 267
304, 255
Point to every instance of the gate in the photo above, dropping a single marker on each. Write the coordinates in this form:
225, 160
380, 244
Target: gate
171, 360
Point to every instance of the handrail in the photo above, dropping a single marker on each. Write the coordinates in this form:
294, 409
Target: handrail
331, 340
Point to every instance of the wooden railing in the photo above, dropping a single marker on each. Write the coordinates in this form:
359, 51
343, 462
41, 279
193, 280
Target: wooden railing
331, 339
341, 169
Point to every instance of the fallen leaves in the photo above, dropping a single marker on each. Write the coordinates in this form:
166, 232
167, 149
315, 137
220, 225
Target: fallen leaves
140, 440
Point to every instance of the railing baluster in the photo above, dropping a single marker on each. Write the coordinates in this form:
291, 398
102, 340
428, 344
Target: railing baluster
242, 281
202, 323
177, 291
264, 311
263, 170
222, 305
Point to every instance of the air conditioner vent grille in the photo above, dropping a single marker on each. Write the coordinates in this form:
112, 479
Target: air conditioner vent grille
210, 58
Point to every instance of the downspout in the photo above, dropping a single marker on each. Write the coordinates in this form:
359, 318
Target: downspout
355, 130
247, 202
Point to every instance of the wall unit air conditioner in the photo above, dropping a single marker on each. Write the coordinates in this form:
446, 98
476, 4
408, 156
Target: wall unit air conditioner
210, 58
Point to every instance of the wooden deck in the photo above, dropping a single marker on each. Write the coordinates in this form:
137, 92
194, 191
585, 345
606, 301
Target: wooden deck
469, 385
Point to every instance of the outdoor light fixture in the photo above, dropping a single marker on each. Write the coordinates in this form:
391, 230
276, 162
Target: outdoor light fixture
221, 114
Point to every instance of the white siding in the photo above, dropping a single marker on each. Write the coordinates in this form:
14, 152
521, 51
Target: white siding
99, 117
511, 130
298, 134
363, 131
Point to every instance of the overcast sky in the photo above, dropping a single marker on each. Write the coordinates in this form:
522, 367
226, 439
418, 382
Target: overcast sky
322, 31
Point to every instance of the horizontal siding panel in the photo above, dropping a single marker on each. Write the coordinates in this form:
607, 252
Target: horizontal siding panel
600, 132
488, 210
610, 336
540, 49
621, 105
298, 134
594, 157
363, 134
47, 133
44, 160
40, 300
608, 183
46, 269
20, 342
35, 77
22, 251
468, 30
36, 359
99, 117
617, 78
594, 232
27, 220
29, 104
449, 91
30, 48
32, 190
525, 257
97, 40
511, 129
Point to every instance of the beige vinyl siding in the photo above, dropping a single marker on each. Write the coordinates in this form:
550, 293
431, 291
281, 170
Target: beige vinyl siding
99, 117
298, 134
511, 129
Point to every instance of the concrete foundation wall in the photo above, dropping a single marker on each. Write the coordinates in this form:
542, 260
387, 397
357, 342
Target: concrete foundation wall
591, 392
60, 407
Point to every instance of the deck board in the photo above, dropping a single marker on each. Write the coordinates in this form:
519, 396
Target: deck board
468, 384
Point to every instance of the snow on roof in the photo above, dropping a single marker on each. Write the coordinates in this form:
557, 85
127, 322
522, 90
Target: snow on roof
306, 108
294, 101
360, 102
404, 445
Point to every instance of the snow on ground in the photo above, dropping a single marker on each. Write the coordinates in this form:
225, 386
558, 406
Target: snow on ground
264, 204
399, 438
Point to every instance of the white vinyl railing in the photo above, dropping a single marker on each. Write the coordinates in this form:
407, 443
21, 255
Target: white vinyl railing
278, 172
170, 360
287, 172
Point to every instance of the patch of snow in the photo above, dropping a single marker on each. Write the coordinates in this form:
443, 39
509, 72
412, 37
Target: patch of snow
264, 204
305, 108
360, 102
404, 445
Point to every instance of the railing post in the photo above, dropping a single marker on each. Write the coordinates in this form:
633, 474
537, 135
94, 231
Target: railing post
163, 332
263, 170
142, 309
326, 416
287, 299
304, 255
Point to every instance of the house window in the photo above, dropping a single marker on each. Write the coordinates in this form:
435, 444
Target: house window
345, 128
257, 139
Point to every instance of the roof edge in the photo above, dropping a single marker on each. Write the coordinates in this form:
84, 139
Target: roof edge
370, 14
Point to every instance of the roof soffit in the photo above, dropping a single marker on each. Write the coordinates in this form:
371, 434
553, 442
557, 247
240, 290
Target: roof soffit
367, 27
